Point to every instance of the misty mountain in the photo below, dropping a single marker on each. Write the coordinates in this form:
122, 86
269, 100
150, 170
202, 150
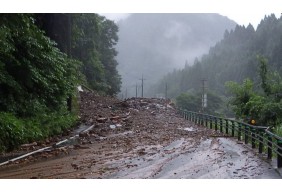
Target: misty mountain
155, 44
234, 58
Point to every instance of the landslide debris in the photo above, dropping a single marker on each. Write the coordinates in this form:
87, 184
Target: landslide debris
135, 127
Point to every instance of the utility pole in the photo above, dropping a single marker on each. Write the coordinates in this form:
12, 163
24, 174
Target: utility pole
126, 93
136, 89
142, 85
166, 90
204, 95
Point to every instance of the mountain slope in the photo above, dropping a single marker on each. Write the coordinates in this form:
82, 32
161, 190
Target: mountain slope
232, 59
155, 44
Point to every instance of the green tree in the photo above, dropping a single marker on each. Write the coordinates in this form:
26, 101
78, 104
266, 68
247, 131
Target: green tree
266, 106
189, 102
94, 45
241, 95
193, 102
36, 79
91, 39
234, 58
108, 40
34, 73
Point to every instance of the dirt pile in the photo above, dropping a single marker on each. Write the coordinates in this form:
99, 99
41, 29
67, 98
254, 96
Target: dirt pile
136, 128
151, 120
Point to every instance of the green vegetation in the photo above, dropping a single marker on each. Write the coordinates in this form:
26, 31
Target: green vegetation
15, 131
90, 39
253, 82
43, 57
193, 102
264, 104
234, 58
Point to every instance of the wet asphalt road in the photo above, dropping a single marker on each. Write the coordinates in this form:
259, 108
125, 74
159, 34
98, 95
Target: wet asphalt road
211, 158
216, 158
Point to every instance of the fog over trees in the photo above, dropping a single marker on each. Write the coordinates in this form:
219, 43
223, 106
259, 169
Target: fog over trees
155, 44
234, 58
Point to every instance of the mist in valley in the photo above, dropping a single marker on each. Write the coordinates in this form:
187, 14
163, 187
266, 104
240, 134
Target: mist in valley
154, 44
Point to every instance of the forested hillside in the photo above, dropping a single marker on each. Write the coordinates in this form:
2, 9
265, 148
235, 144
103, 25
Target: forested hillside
232, 59
89, 38
43, 58
155, 44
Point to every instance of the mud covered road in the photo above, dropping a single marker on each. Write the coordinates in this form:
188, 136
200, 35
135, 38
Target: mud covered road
141, 138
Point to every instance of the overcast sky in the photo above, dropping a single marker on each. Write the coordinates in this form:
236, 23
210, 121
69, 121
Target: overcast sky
241, 19
251, 13
241, 11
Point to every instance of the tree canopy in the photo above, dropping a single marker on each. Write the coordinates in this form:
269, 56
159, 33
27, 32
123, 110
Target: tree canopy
91, 39
234, 58
43, 57
264, 104
34, 73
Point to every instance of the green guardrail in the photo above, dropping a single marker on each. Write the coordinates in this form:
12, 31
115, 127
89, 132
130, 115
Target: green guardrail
259, 137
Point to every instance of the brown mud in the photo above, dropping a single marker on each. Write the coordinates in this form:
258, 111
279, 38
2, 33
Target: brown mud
140, 138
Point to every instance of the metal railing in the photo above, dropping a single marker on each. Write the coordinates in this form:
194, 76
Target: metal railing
258, 137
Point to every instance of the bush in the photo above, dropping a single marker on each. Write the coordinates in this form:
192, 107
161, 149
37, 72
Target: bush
193, 102
36, 79
12, 132
15, 131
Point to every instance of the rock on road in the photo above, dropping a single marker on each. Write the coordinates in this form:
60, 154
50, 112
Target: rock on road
142, 138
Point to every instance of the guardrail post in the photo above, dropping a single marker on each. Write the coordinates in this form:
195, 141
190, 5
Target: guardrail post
246, 134
239, 131
215, 123
202, 119
253, 135
210, 118
220, 125
269, 147
260, 141
233, 129
226, 126
279, 153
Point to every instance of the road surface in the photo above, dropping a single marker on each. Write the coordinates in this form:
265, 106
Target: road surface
142, 138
